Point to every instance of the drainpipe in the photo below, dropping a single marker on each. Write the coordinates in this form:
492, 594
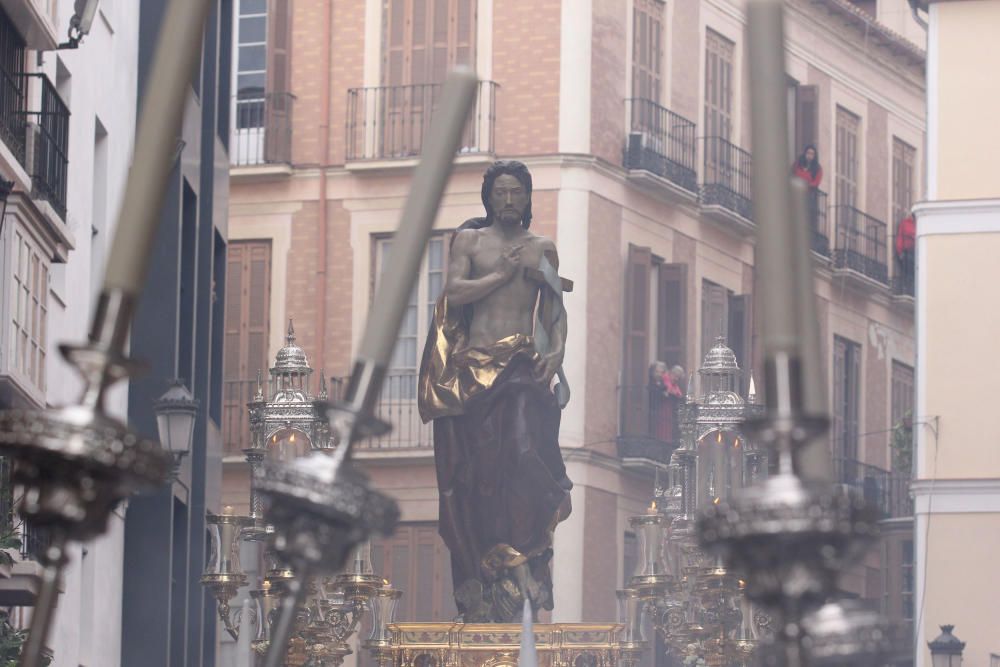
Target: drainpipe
323, 162
916, 15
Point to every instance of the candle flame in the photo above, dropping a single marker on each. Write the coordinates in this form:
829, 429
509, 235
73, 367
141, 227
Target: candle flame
716, 501
737, 443
718, 437
292, 438
267, 585
742, 583
652, 505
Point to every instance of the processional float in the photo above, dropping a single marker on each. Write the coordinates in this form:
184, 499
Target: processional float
786, 537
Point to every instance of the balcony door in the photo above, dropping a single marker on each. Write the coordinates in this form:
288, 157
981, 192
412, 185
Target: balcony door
721, 164
247, 327
398, 403
421, 41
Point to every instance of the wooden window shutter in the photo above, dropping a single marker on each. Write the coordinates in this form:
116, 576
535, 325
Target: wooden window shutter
647, 49
714, 314
635, 382
423, 39
278, 72
807, 117
672, 314
839, 395
853, 371
740, 334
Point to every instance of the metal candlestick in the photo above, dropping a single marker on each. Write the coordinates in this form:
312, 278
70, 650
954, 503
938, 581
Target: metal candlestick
76, 463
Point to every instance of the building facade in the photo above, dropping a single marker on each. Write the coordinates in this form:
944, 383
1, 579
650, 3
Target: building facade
167, 618
633, 118
957, 486
67, 119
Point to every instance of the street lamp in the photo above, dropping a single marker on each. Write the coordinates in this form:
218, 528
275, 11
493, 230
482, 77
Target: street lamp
176, 411
946, 650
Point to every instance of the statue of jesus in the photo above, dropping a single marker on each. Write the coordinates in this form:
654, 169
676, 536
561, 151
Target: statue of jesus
486, 378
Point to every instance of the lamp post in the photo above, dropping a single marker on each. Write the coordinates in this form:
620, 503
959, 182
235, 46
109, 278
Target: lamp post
176, 411
946, 649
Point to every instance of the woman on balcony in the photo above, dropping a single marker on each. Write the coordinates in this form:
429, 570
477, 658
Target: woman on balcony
807, 168
666, 394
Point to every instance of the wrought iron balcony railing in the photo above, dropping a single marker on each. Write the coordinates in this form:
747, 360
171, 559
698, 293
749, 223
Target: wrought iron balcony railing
888, 491
726, 176
262, 131
649, 426
389, 122
13, 124
397, 404
50, 164
818, 219
860, 243
662, 142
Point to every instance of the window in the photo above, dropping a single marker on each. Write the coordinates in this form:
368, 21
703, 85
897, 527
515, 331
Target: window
247, 327
907, 576
251, 63
726, 314
647, 49
12, 93
847, 157
806, 118
418, 317
423, 39
901, 411
650, 285
846, 400
416, 560
904, 157
718, 85
30, 312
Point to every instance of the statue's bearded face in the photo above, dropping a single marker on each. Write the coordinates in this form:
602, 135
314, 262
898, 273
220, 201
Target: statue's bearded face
508, 199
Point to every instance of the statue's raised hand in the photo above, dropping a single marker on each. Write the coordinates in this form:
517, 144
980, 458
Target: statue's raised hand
509, 262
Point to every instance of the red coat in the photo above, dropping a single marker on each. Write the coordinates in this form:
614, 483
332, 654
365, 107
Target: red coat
906, 235
806, 175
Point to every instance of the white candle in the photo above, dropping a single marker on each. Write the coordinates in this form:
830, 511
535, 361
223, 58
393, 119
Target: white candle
772, 206
415, 225
167, 89
244, 657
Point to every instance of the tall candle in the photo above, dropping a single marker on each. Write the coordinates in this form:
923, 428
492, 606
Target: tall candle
176, 54
772, 210
417, 220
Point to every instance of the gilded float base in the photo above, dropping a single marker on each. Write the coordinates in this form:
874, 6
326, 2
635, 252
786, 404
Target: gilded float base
498, 645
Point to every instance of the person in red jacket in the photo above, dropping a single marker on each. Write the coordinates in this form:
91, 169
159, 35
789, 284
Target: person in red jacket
808, 169
906, 245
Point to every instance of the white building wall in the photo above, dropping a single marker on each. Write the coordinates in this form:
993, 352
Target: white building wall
98, 83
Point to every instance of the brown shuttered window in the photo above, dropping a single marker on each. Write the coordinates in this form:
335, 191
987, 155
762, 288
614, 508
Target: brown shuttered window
248, 303
714, 314
635, 391
423, 39
416, 560
647, 49
848, 126
672, 314
904, 158
740, 333
806, 117
902, 393
718, 85
846, 400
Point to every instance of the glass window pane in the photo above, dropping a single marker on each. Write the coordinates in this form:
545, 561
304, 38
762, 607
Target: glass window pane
253, 7
249, 85
252, 58
434, 255
253, 30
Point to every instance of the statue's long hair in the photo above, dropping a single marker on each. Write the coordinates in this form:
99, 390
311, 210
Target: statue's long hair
516, 169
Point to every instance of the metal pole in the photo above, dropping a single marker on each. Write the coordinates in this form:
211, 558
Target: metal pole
281, 633
45, 605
